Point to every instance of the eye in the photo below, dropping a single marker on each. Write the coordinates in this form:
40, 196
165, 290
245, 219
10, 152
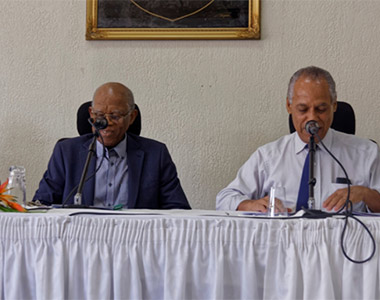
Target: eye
99, 115
322, 109
302, 110
115, 117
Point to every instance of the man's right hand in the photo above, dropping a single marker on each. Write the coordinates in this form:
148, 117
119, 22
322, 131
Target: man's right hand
260, 205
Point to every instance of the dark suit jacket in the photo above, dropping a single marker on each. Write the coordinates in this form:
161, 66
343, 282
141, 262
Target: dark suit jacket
152, 180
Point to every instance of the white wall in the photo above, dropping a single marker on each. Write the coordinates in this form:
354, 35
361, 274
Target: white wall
212, 102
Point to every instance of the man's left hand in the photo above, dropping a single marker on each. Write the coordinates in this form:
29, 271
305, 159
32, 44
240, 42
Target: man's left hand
338, 198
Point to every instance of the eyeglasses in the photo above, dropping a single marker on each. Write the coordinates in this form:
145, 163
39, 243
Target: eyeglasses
114, 117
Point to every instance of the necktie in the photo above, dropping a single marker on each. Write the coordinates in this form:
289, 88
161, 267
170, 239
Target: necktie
303, 193
112, 153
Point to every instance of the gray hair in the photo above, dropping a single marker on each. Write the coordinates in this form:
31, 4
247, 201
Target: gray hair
313, 73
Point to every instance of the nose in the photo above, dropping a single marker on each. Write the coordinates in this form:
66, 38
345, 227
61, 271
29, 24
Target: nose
109, 119
312, 115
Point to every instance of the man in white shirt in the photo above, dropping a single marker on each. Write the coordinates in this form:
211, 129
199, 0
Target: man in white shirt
311, 96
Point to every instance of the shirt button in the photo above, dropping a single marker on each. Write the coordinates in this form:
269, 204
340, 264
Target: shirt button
112, 164
110, 184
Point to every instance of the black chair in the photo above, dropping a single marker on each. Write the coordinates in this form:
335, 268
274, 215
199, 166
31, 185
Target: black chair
344, 119
83, 126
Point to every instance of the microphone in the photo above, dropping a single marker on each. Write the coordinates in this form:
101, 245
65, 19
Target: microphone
312, 127
100, 123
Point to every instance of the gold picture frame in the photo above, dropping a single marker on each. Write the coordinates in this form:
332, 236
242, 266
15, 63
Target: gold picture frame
172, 20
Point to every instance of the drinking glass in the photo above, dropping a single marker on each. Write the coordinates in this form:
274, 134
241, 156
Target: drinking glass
277, 194
16, 184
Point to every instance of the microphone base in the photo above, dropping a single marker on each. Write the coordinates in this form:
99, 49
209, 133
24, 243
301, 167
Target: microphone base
73, 206
316, 214
83, 206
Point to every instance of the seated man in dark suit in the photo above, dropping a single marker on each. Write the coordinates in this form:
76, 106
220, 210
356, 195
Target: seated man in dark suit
136, 172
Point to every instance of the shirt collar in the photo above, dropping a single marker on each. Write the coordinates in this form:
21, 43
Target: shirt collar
299, 145
120, 148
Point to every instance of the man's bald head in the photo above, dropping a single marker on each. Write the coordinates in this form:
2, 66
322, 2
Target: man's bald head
112, 88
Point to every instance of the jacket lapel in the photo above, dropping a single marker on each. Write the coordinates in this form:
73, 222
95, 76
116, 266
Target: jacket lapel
135, 157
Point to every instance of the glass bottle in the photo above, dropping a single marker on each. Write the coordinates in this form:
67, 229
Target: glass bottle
16, 184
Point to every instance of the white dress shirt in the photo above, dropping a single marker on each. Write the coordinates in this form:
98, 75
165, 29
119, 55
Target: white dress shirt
280, 163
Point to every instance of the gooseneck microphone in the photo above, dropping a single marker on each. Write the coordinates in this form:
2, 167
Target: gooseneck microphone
312, 127
99, 124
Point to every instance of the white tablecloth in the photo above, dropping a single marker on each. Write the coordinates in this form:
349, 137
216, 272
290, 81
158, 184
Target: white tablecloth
183, 255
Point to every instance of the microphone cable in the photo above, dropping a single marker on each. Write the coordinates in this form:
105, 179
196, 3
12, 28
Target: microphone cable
348, 214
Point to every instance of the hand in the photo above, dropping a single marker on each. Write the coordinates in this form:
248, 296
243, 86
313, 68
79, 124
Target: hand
260, 205
337, 199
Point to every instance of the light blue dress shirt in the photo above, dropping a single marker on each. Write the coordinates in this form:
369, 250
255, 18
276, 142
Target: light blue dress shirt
280, 163
111, 180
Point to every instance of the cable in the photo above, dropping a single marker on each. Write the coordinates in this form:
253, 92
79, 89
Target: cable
370, 235
345, 174
348, 214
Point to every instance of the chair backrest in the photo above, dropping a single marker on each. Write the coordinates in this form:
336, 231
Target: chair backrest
83, 126
344, 119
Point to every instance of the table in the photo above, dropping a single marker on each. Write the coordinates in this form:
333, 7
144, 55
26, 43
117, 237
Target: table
183, 255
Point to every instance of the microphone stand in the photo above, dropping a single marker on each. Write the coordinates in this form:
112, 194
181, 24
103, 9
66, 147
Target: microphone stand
311, 212
312, 180
91, 151
98, 124
312, 128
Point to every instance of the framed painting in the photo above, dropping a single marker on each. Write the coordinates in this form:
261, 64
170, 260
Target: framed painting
172, 19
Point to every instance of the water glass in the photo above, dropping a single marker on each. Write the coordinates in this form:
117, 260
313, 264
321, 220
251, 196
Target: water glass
277, 197
16, 184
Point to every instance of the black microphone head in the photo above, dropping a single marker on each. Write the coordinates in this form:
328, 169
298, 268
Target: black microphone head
100, 123
312, 127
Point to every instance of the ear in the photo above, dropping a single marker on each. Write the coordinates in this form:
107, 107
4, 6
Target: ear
335, 106
288, 106
133, 116
89, 110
